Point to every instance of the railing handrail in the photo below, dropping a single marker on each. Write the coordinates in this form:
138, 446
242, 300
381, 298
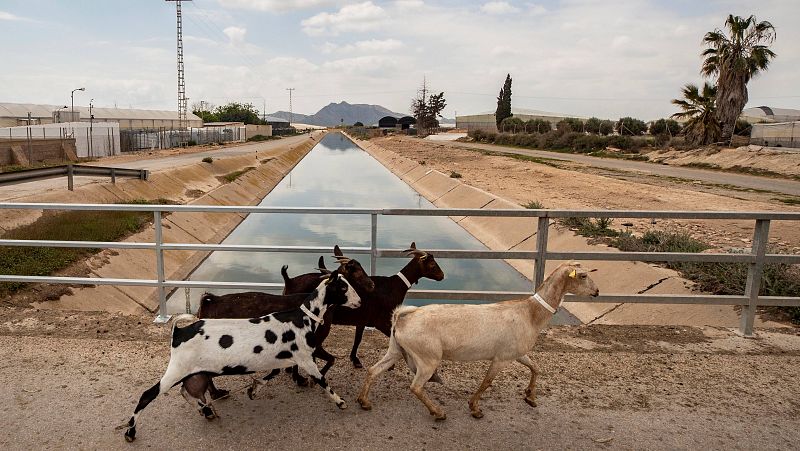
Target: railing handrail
749, 300
503, 212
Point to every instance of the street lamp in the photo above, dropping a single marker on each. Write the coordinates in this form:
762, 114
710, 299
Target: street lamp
72, 102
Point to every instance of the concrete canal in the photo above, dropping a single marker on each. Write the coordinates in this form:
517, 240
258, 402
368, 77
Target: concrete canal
337, 173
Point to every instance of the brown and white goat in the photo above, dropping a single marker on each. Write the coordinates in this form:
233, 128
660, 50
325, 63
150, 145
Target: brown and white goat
377, 305
501, 333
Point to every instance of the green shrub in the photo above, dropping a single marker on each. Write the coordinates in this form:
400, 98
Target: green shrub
512, 125
620, 142
455, 175
590, 143
231, 176
207, 160
534, 205
630, 126
570, 124
668, 127
259, 138
191, 143
537, 126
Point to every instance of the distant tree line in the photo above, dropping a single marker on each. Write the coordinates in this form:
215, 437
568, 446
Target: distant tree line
231, 112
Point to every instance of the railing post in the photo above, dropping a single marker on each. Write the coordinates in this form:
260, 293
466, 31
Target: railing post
541, 251
373, 245
113, 176
754, 272
70, 183
162, 294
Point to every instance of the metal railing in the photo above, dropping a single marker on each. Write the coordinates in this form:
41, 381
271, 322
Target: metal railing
756, 259
70, 170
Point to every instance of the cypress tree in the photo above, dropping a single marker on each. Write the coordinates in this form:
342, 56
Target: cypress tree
504, 102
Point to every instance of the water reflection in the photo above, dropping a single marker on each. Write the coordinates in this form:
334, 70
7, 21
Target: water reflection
336, 173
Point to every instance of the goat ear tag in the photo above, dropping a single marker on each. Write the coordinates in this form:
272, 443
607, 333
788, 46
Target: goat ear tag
574, 273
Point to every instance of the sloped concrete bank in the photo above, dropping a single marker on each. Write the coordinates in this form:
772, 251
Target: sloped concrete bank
520, 234
197, 184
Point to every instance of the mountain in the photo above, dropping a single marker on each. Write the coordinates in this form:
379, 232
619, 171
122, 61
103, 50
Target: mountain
342, 112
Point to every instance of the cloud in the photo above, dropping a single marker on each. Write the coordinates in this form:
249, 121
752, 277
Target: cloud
498, 8
369, 46
235, 34
273, 5
12, 17
359, 17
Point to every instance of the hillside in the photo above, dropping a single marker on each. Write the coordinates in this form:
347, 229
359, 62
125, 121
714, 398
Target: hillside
342, 112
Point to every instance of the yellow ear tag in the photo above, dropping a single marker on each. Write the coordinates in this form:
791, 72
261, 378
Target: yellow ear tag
574, 273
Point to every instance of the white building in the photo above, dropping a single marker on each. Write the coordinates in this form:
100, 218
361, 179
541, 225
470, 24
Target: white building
15, 114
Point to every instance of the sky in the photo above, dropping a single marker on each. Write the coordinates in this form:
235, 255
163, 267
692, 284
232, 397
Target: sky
578, 57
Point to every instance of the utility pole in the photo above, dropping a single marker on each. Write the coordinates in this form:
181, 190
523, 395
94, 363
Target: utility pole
291, 115
181, 80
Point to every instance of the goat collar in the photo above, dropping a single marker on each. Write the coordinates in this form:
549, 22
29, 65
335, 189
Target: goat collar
313, 317
404, 279
544, 304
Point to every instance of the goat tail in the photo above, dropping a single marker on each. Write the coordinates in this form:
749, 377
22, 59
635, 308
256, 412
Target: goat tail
182, 317
286, 278
400, 311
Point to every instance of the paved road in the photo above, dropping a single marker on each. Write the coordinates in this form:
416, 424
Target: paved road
784, 186
152, 163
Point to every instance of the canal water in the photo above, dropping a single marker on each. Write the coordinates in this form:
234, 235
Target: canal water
337, 173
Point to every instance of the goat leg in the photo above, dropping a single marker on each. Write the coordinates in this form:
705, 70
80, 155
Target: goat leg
494, 368
326, 356
356, 343
530, 392
215, 392
297, 378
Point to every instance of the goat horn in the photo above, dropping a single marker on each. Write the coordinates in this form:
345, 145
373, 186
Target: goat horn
323, 270
342, 260
415, 252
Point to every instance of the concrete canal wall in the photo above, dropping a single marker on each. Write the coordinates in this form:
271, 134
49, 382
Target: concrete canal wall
520, 234
180, 184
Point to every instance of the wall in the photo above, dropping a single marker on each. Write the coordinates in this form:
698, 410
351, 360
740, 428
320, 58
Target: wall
41, 150
783, 134
253, 130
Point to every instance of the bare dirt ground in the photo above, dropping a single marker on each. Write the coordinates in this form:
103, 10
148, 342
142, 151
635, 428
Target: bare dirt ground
562, 184
69, 380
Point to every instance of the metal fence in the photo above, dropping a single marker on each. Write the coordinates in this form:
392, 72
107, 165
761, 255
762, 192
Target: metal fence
165, 138
749, 300
70, 171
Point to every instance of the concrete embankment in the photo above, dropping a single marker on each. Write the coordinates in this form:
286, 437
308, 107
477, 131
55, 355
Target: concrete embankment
520, 234
197, 184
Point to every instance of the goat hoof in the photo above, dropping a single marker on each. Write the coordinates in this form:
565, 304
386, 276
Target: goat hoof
301, 382
365, 405
208, 412
130, 435
477, 414
251, 393
440, 416
357, 363
342, 405
531, 402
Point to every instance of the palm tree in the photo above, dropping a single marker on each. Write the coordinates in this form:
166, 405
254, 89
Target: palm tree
699, 107
734, 59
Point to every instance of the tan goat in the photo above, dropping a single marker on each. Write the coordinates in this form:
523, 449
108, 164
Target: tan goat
501, 333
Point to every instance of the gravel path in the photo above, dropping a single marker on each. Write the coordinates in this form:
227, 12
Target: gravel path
69, 380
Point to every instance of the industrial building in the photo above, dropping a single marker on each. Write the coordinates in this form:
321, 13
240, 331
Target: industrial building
765, 114
486, 121
15, 114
